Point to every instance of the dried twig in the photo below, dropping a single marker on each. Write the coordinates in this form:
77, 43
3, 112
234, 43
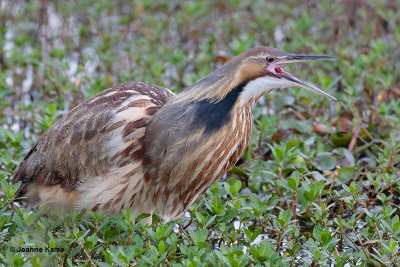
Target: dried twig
266, 227
361, 243
380, 236
86, 253
395, 260
335, 174
354, 138
297, 114
279, 240
294, 206
189, 223
184, 233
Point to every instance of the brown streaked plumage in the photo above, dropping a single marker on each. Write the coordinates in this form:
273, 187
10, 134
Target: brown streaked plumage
139, 146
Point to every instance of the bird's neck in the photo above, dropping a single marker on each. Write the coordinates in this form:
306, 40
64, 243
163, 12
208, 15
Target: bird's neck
215, 86
182, 125
212, 114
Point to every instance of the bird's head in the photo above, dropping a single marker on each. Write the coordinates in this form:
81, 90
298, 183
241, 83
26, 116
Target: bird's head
257, 71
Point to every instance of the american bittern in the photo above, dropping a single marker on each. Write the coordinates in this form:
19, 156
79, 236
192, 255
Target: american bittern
139, 145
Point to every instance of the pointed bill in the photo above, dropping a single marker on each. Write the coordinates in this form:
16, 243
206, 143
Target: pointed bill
293, 58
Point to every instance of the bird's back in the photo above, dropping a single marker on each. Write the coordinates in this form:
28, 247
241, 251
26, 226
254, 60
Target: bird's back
87, 153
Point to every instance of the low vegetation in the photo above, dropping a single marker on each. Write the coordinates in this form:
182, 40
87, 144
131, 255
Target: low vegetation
318, 185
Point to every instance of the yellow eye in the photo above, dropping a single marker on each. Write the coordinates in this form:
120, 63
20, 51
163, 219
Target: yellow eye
270, 59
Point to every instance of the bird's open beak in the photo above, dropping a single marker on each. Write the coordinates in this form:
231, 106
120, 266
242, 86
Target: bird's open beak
276, 68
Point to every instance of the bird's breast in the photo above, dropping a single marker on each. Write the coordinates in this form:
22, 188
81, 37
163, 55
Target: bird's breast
187, 167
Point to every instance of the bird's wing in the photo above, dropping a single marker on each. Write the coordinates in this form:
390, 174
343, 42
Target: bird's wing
78, 145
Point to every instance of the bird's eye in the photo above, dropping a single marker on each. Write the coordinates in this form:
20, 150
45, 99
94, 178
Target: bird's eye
270, 59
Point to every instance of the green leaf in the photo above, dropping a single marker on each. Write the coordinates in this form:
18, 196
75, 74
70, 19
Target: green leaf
325, 161
317, 231
347, 173
284, 217
301, 126
294, 180
198, 236
161, 247
5, 187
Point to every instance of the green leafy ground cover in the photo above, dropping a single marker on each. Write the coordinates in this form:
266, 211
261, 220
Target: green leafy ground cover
285, 203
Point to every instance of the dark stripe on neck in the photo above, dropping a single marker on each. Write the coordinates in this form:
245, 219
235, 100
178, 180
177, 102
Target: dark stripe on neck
214, 115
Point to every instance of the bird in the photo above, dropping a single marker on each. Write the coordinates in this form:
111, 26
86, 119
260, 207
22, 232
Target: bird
140, 146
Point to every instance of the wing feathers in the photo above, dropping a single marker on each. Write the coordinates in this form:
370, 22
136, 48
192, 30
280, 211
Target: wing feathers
89, 140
